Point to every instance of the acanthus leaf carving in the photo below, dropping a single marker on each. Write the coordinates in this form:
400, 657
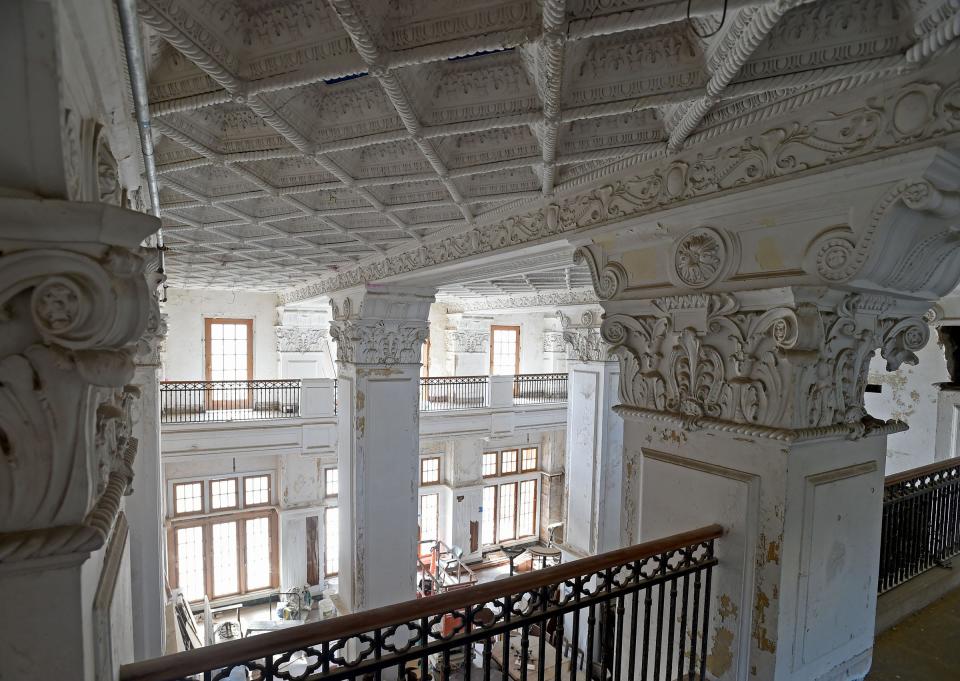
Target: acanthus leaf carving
793, 366
300, 339
383, 342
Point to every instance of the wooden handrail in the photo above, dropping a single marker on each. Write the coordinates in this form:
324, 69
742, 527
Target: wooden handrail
921, 471
235, 652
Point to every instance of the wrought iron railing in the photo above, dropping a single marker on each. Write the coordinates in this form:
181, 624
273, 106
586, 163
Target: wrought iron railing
921, 521
198, 401
453, 392
539, 388
642, 610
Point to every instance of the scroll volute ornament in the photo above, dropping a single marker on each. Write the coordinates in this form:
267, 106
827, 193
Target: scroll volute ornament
70, 323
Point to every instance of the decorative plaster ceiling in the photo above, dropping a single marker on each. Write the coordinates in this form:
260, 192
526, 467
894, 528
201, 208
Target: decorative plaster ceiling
572, 278
300, 138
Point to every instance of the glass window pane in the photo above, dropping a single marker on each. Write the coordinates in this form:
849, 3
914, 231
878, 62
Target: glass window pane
506, 512
258, 553
190, 575
331, 545
429, 517
489, 464
225, 561
331, 482
489, 519
223, 494
526, 516
508, 461
216, 331
241, 331
256, 490
188, 497
528, 459
429, 470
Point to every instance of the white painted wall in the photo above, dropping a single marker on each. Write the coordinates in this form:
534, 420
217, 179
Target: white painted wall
187, 308
910, 394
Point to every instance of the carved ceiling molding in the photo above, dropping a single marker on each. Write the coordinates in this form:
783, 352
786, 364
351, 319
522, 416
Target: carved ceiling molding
284, 153
914, 112
542, 299
799, 365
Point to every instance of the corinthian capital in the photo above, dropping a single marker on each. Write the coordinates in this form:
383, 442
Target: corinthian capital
373, 326
76, 303
789, 361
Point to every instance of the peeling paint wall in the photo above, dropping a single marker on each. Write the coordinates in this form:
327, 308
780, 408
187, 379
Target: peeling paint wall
910, 394
182, 358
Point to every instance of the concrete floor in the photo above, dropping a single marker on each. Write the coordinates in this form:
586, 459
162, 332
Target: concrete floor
924, 647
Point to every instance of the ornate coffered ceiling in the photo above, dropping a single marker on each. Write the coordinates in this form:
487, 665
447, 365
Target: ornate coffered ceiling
299, 139
571, 278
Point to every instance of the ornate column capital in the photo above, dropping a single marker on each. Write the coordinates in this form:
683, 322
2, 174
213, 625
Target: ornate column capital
375, 326
788, 363
582, 339
300, 339
76, 307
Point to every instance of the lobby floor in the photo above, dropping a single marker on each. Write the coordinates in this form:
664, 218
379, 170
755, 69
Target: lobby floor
924, 647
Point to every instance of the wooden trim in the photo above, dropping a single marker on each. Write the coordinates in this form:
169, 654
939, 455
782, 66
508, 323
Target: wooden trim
207, 523
203, 499
208, 346
269, 490
496, 465
921, 471
236, 506
516, 359
516, 470
536, 459
235, 652
437, 459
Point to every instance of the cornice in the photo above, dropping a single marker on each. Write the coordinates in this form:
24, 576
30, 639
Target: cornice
914, 113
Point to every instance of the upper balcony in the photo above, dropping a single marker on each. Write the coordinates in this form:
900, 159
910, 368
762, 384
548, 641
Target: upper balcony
216, 417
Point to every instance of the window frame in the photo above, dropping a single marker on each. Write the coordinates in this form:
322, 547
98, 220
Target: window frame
533, 508
326, 484
516, 463
203, 499
436, 520
269, 500
236, 506
207, 523
516, 500
326, 544
536, 459
208, 322
496, 464
425, 460
516, 359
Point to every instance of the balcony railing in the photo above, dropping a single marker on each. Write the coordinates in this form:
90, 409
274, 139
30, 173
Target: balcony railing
539, 388
453, 392
641, 610
921, 521
199, 401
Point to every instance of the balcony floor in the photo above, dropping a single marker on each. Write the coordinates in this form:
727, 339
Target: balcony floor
924, 647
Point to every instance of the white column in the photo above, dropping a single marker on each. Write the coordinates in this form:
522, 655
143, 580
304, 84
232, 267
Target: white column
303, 343
379, 335
742, 392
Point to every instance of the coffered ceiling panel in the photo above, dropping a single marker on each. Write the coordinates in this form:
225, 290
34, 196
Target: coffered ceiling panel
297, 138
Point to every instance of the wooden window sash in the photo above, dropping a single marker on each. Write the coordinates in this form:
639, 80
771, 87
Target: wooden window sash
203, 501
433, 482
239, 492
516, 356
536, 459
326, 544
208, 356
269, 490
